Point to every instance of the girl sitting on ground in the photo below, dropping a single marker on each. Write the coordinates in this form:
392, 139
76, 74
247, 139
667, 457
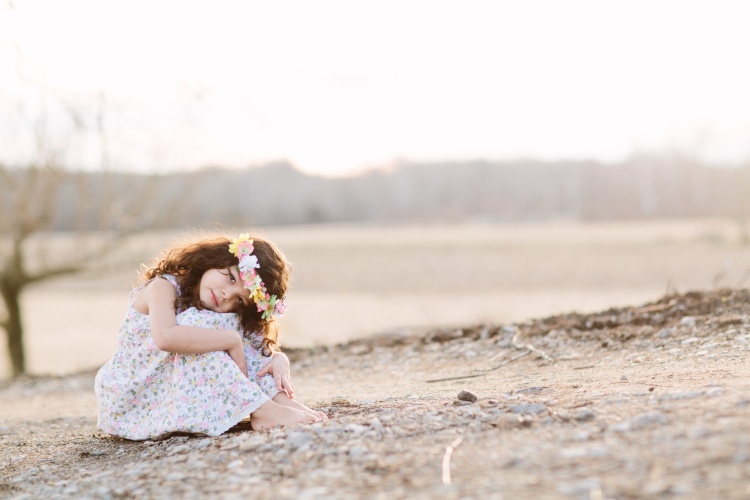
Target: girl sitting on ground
198, 350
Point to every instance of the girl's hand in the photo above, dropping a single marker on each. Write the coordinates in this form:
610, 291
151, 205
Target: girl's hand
282, 373
237, 353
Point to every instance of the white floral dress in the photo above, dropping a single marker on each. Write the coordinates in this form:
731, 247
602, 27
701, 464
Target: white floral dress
146, 393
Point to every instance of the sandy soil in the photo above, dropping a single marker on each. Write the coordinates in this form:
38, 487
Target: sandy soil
650, 401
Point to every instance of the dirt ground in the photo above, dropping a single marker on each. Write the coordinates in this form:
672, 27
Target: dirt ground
649, 401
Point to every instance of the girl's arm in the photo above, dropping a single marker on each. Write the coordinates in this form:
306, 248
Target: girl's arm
159, 297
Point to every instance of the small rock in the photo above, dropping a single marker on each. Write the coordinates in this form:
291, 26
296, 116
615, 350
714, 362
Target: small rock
228, 445
376, 424
252, 443
357, 452
680, 395
585, 415
530, 390
688, 321
467, 396
624, 378
582, 488
180, 449
584, 452
664, 333
564, 415
509, 421
202, 444
356, 429
640, 422
528, 408
298, 438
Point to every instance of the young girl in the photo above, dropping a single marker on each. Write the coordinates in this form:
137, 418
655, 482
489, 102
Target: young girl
197, 350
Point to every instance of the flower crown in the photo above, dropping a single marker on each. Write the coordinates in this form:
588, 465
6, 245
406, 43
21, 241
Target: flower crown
242, 248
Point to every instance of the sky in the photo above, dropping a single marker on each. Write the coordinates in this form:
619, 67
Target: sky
339, 86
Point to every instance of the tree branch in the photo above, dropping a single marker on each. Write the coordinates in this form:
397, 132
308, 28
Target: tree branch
51, 273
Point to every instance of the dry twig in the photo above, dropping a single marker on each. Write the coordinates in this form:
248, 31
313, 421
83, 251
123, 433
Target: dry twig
483, 372
447, 460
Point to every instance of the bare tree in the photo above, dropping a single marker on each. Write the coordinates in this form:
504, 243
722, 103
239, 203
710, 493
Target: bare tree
102, 212
28, 197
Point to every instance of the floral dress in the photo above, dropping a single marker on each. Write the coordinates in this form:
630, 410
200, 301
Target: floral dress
146, 393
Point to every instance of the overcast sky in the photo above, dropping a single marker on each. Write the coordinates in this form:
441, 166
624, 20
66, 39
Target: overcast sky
336, 86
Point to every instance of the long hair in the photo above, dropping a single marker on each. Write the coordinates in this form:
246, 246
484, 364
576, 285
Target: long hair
189, 263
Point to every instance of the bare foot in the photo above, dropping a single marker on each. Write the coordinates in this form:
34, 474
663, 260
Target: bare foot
271, 414
284, 400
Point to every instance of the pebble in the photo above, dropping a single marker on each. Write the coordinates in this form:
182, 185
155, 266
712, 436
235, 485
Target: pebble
251, 443
203, 444
358, 452
180, 448
680, 395
340, 401
584, 452
530, 390
528, 408
296, 439
688, 321
664, 333
356, 429
376, 425
640, 422
466, 396
585, 415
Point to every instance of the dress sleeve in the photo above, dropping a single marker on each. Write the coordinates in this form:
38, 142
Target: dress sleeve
171, 279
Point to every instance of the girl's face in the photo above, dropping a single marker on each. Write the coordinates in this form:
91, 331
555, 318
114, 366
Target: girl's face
221, 290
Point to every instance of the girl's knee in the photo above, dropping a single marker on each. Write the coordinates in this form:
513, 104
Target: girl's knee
203, 318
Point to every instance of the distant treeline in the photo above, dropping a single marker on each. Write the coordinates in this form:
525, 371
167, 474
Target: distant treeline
277, 193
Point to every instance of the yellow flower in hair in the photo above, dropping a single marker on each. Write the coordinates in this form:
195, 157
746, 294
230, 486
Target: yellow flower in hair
258, 294
234, 245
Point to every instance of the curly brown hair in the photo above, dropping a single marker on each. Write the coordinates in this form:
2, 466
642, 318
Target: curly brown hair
189, 262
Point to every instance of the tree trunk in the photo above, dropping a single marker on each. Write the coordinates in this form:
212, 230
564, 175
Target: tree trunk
13, 329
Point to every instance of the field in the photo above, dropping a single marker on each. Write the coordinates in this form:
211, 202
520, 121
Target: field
352, 281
